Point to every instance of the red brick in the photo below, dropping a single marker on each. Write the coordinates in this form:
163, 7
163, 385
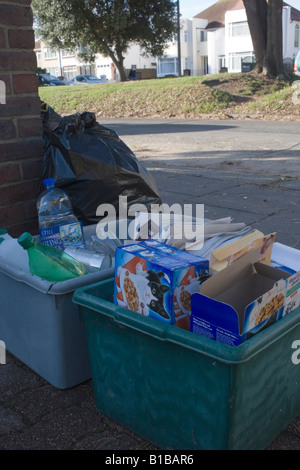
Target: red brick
16, 15
18, 150
12, 214
25, 83
31, 209
21, 38
31, 217
3, 44
6, 80
18, 192
30, 127
11, 61
7, 129
21, 106
30, 226
31, 168
9, 173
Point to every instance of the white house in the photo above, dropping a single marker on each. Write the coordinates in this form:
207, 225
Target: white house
193, 50
133, 59
228, 35
214, 40
237, 39
218, 38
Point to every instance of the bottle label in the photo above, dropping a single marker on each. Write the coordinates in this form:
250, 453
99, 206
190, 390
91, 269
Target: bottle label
63, 235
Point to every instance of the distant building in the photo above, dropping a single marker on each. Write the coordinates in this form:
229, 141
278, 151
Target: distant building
215, 40
63, 63
218, 39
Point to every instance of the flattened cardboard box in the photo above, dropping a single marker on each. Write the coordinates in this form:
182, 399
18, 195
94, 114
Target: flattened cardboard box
230, 252
243, 299
157, 280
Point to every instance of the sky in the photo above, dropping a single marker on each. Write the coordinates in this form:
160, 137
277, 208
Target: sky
189, 8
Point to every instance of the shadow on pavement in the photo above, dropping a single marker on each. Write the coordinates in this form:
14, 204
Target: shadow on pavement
163, 128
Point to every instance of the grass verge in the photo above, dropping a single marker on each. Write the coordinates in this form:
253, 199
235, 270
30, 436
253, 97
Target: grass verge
190, 97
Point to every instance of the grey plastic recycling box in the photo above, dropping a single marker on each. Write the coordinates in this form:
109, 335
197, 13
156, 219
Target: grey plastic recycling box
41, 326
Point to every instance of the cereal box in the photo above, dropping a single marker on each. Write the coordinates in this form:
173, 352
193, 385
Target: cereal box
243, 299
157, 280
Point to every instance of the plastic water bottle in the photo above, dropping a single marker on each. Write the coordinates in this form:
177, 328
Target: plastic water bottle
11, 252
58, 224
92, 260
48, 262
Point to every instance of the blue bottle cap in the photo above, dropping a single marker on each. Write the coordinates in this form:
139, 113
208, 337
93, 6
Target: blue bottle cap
49, 182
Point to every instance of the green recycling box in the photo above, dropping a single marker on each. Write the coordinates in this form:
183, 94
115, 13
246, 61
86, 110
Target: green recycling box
183, 391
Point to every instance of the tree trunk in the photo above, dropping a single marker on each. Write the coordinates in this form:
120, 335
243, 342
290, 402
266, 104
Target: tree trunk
119, 63
265, 25
274, 51
256, 11
120, 66
123, 76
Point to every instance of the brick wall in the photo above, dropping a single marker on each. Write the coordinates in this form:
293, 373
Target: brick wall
21, 143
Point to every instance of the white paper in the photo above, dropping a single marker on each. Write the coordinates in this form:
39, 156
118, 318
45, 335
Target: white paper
283, 255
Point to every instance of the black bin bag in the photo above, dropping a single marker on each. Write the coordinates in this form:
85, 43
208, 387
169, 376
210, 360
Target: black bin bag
92, 165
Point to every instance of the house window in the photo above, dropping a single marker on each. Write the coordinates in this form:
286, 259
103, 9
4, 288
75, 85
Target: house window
203, 35
221, 59
185, 36
167, 66
50, 54
54, 72
296, 42
239, 29
235, 60
66, 53
70, 72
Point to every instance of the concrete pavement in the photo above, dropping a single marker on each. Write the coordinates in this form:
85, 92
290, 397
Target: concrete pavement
248, 170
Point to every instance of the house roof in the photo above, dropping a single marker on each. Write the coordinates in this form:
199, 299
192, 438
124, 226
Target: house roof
295, 14
215, 14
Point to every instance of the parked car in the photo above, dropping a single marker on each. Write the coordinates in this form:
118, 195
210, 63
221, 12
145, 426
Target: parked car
86, 80
297, 64
45, 79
